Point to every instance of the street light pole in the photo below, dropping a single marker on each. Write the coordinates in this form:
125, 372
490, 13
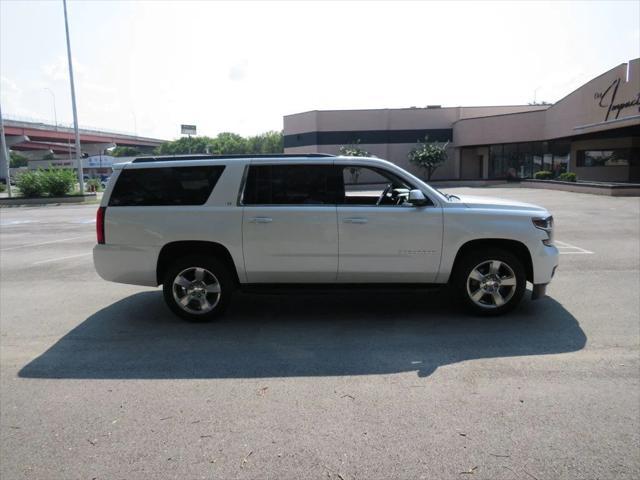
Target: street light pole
53, 99
73, 103
5, 155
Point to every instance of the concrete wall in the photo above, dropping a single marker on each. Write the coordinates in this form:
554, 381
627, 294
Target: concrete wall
515, 127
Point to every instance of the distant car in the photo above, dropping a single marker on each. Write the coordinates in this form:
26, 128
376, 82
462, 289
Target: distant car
204, 226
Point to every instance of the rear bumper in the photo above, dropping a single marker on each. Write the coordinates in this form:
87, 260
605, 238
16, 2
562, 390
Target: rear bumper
125, 264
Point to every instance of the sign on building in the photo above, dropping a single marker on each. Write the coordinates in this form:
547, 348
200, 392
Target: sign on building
188, 129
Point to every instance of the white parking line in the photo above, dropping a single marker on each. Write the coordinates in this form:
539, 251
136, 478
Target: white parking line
11, 223
567, 249
60, 258
26, 245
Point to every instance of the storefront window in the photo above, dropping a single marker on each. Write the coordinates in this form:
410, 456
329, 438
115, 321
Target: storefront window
619, 157
525, 159
511, 160
537, 163
522, 160
561, 151
496, 162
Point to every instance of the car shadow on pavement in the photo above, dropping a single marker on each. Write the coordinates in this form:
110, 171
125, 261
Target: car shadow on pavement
357, 333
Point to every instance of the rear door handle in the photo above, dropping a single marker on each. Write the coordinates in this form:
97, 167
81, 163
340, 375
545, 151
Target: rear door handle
356, 220
261, 220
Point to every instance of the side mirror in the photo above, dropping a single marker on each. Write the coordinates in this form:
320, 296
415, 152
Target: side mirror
417, 198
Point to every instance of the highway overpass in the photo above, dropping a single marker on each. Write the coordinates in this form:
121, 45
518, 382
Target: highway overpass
33, 140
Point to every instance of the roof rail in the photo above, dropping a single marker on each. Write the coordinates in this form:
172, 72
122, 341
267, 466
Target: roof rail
171, 158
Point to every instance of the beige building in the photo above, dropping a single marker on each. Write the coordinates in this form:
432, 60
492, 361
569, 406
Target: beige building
594, 132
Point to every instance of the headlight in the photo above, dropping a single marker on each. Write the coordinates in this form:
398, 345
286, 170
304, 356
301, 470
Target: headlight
546, 224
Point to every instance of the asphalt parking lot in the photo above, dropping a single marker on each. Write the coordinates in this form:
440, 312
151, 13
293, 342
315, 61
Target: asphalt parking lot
100, 380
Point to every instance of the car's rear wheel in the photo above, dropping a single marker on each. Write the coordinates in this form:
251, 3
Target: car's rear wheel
197, 289
490, 281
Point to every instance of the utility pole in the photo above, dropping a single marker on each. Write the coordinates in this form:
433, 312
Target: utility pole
5, 155
73, 103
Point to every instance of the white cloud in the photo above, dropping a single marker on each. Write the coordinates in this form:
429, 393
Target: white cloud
13, 100
56, 70
239, 71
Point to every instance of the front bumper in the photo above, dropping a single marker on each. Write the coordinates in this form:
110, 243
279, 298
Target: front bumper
545, 263
539, 291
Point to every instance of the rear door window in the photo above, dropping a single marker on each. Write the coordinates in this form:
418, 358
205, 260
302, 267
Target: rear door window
165, 186
291, 185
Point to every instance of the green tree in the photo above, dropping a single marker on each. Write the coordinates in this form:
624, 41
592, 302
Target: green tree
125, 152
225, 143
428, 155
353, 150
185, 145
268, 142
17, 160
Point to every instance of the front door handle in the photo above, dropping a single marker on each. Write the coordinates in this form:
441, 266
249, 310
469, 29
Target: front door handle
356, 220
261, 220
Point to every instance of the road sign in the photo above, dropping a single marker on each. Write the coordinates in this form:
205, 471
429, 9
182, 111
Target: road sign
188, 129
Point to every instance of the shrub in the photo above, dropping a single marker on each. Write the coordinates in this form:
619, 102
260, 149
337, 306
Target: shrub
58, 181
3, 187
93, 185
17, 160
543, 175
567, 177
30, 183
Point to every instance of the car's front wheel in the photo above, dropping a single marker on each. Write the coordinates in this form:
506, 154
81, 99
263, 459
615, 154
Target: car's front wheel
490, 282
197, 289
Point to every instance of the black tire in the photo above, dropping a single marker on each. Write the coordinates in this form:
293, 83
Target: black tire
482, 262
214, 273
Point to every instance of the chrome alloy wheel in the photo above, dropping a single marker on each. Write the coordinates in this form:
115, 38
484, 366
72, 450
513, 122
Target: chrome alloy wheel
196, 290
491, 284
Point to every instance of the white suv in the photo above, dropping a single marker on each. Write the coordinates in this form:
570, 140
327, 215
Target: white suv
203, 226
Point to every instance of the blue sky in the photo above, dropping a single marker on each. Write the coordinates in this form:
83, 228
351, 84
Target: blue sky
150, 66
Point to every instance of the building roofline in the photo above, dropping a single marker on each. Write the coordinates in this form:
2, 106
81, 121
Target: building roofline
503, 114
409, 108
548, 107
477, 106
594, 78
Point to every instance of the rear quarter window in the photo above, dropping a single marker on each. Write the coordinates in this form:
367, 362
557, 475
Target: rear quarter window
165, 186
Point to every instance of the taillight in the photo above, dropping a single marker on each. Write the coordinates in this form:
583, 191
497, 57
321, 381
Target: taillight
100, 224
